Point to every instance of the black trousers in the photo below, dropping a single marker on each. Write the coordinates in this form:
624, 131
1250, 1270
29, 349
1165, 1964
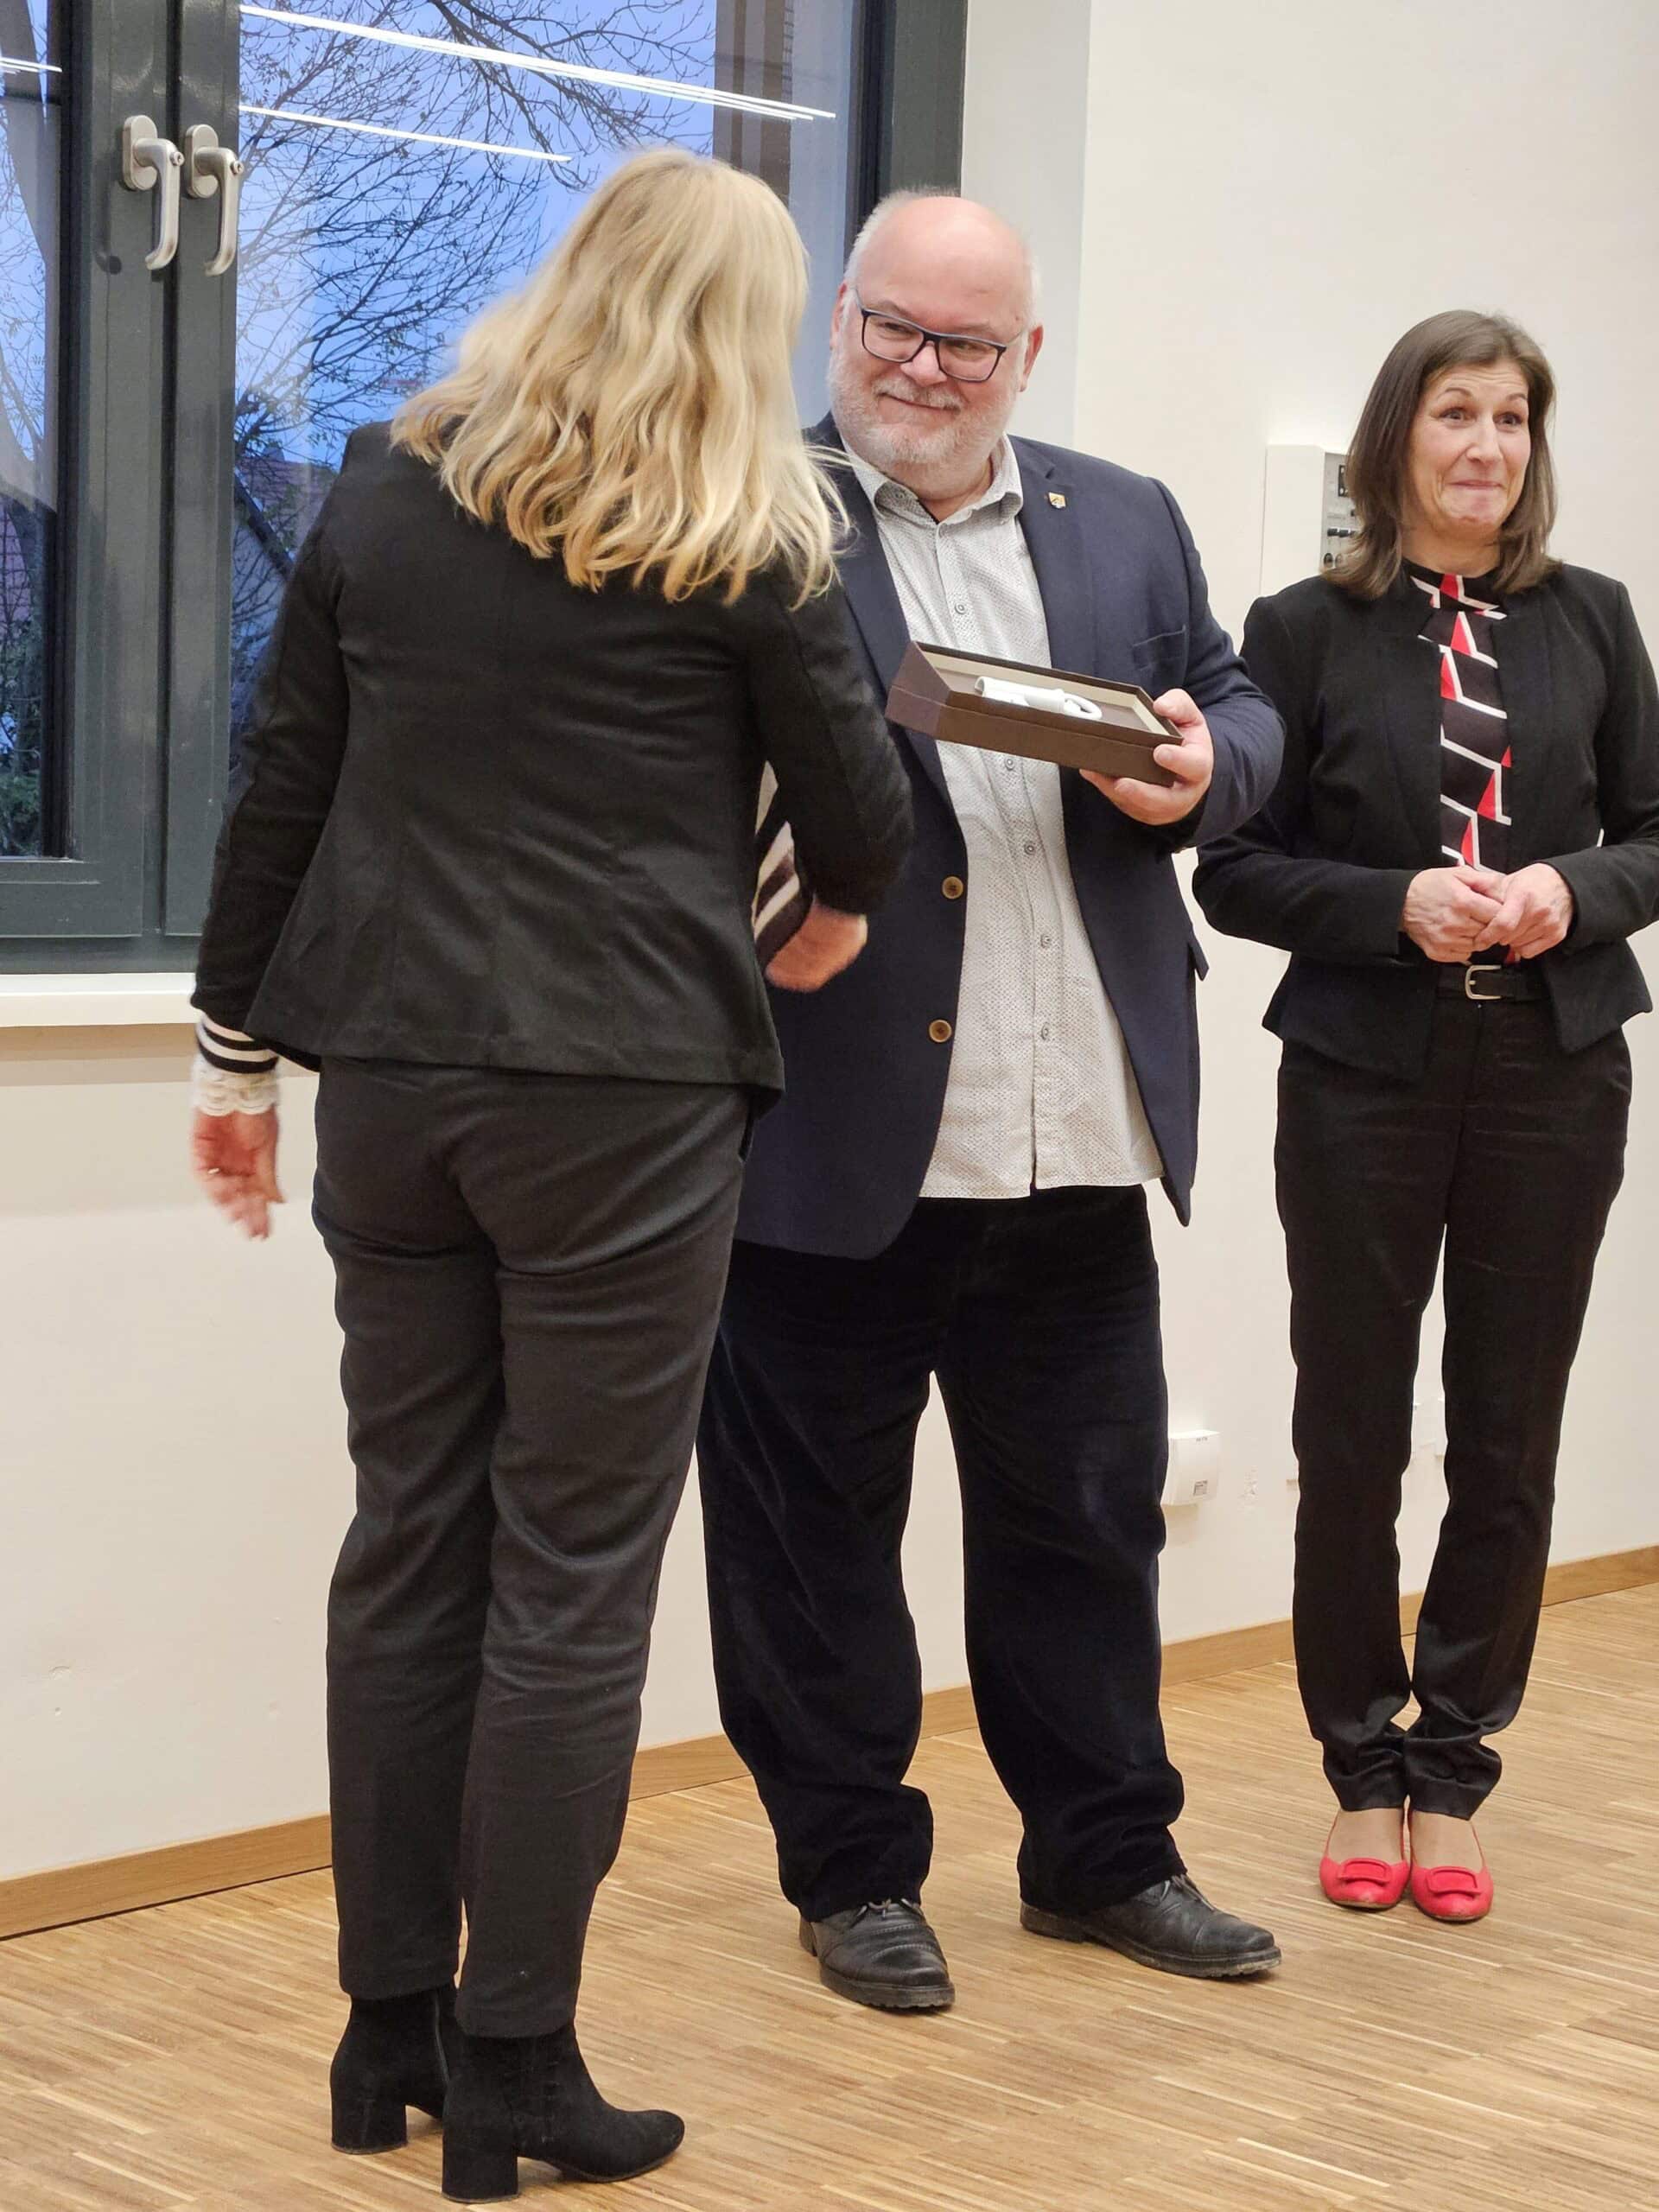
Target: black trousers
529, 1273
1039, 1318
1510, 1152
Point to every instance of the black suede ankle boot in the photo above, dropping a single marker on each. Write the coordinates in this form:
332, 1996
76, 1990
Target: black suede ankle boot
395, 2051
531, 2097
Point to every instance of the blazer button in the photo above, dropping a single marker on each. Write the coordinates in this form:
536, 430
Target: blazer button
953, 886
939, 1032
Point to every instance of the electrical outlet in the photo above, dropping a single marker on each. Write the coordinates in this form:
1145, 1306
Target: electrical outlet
1194, 1476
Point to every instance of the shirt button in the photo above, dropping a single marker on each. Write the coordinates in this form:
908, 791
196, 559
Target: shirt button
1045, 941
1010, 764
1043, 1032
959, 606
939, 1032
953, 886
1029, 846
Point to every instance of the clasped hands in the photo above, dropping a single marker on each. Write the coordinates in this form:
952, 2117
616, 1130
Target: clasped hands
1455, 913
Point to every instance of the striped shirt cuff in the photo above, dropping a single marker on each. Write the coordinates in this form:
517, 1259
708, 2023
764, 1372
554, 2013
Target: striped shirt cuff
231, 1052
231, 1073
781, 893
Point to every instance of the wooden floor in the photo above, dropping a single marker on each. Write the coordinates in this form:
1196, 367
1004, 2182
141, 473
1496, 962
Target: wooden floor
177, 2057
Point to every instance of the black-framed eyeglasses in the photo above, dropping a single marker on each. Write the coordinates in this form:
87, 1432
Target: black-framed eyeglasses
965, 360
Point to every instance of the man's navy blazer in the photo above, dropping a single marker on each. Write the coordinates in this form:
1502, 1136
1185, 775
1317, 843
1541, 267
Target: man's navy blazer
838, 1166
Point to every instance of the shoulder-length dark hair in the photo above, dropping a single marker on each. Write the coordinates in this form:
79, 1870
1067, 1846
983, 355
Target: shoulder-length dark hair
1377, 462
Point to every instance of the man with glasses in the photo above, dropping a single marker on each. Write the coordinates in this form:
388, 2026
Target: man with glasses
954, 1186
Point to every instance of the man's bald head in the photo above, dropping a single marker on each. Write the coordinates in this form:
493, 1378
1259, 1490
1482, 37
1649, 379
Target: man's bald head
928, 262
970, 240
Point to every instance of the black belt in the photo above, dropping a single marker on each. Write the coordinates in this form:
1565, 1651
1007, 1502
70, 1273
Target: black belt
1483, 982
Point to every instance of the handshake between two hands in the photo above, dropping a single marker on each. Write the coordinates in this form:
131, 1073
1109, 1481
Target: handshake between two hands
1456, 913
828, 942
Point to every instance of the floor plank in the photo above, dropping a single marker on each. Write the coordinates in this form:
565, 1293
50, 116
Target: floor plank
175, 2060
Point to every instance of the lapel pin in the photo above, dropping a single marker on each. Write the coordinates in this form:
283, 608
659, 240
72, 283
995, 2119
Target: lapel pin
1057, 499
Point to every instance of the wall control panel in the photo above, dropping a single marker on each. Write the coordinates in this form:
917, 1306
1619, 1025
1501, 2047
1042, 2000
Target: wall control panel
1307, 515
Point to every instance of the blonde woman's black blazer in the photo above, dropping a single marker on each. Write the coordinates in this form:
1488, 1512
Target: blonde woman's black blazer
483, 818
1322, 871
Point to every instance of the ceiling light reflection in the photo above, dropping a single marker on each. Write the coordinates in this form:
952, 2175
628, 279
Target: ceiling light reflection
659, 88
386, 131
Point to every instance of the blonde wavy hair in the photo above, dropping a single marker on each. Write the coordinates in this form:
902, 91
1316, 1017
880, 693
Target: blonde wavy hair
630, 407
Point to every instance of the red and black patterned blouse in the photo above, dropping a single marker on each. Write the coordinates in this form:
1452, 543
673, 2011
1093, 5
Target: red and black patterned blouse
1474, 728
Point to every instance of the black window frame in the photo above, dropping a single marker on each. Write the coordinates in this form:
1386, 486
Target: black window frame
73, 913
142, 675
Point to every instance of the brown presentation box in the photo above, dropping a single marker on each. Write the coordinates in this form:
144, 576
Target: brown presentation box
934, 692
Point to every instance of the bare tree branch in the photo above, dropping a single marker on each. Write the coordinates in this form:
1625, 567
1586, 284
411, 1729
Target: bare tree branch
363, 257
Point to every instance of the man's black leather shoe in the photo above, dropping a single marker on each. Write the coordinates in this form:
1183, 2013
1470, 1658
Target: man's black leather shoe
1172, 1926
881, 1955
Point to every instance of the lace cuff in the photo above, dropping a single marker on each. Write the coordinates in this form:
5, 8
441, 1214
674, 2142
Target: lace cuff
213, 1091
232, 1074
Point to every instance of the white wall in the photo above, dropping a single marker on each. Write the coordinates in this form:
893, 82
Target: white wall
1024, 151
173, 1481
169, 1469
1224, 268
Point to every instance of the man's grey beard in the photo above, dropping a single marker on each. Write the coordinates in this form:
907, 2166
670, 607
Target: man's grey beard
941, 449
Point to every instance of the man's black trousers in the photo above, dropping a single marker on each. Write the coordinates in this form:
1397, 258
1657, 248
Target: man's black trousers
1038, 1316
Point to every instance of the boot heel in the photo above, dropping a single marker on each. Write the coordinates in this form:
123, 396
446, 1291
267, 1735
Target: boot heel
477, 2170
370, 2123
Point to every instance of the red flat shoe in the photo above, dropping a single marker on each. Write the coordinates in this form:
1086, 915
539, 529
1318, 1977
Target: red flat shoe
1452, 1893
1365, 1884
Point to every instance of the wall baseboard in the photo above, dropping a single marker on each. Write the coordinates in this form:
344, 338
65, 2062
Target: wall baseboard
177, 1869
31, 1902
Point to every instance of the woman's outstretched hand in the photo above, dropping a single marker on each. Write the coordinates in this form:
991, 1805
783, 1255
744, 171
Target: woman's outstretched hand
234, 1157
825, 942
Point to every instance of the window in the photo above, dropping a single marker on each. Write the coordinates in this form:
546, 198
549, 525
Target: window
31, 180
186, 343
398, 179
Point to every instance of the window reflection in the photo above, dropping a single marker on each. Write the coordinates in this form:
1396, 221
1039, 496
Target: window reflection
395, 184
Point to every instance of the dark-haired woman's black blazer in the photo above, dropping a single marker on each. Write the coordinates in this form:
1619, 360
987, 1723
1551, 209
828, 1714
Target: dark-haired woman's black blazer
1322, 871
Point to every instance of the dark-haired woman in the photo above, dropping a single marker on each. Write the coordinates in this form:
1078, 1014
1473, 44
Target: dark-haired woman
1464, 834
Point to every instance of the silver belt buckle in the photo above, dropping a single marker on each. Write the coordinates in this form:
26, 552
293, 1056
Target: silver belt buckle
1481, 968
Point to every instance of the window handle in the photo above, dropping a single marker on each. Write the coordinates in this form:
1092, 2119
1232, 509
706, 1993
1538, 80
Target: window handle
208, 166
146, 158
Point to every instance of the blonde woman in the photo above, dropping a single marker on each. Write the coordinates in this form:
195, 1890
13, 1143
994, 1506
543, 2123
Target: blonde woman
490, 863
